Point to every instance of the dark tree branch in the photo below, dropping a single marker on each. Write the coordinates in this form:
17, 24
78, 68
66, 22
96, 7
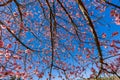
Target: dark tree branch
88, 19
20, 13
63, 71
6, 3
42, 8
112, 56
111, 4
111, 72
74, 25
52, 39
19, 10
8, 29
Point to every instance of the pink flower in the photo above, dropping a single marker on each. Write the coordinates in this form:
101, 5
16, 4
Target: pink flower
112, 13
1, 43
7, 55
27, 51
1, 52
40, 75
3, 26
18, 67
88, 56
78, 15
112, 44
9, 45
113, 67
117, 22
114, 34
103, 35
16, 57
25, 14
15, 14
92, 69
117, 18
1, 0
71, 73
21, 25
8, 22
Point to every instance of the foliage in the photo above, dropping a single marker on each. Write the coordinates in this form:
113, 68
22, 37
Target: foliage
59, 39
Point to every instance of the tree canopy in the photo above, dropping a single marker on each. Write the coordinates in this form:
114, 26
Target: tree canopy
59, 39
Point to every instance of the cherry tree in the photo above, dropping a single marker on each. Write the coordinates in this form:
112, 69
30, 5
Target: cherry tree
59, 39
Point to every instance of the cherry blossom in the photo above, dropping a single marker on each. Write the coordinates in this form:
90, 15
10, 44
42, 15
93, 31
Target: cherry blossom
1, 44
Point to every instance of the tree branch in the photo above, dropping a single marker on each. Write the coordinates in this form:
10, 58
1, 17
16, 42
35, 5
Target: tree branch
74, 25
87, 18
6, 3
111, 4
19, 10
52, 39
8, 29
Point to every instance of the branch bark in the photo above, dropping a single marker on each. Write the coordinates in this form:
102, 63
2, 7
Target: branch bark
52, 39
111, 4
73, 23
8, 29
88, 19
6, 3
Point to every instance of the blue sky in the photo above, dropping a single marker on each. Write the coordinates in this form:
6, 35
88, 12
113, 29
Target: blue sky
40, 27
